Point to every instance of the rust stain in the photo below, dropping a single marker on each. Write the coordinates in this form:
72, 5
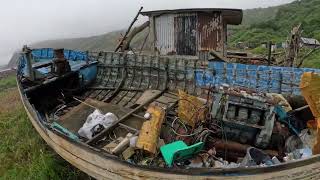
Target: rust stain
210, 29
186, 34
189, 33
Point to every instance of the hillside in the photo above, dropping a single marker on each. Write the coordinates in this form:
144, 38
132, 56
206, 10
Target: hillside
278, 21
104, 42
257, 15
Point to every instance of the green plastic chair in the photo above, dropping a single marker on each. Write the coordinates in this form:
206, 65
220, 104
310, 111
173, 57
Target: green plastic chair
179, 151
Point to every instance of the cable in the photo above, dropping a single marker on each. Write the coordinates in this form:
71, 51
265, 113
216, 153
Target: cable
182, 135
55, 113
85, 103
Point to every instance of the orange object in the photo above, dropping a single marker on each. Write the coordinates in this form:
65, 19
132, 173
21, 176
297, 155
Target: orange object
312, 124
150, 131
310, 88
191, 110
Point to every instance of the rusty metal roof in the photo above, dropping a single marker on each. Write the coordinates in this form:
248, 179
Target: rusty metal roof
230, 16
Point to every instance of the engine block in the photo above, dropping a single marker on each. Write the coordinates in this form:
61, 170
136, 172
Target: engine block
245, 118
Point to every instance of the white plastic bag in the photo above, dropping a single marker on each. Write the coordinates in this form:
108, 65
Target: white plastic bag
94, 119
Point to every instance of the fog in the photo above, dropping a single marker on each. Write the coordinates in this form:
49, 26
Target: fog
24, 22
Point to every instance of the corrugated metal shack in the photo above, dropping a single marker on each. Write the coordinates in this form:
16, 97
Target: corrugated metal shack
192, 32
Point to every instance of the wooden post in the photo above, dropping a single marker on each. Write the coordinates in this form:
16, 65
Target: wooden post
28, 57
128, 31
225, 39
153, 36
134, 32
269, 52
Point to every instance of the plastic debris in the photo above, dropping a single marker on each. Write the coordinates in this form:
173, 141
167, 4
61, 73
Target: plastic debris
113, 144
179, 150
122, 145
191, 136
307, 137
147, 116
133, 141
225, 164
64, 131
286, 118
306, 153
256, 157
275, 160
95, 122
293, 143
298, 154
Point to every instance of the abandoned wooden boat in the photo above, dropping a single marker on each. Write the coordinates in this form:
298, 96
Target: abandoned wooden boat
168, 110
124, 84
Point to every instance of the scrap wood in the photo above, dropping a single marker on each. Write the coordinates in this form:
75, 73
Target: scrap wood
217, 56
120, 45
133, 34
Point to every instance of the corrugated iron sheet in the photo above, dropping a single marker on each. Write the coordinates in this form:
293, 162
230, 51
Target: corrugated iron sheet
189, 33
165, 34
210, 29
185, 26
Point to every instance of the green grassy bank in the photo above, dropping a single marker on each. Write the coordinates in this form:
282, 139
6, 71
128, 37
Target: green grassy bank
23, 154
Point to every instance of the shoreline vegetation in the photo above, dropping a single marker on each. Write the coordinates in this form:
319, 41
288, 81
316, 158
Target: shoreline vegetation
23, 154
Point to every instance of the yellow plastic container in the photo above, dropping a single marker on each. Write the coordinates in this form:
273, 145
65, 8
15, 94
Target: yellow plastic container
310, 89
150, 131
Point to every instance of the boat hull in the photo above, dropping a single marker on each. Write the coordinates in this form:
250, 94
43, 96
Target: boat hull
134, 74
103, 166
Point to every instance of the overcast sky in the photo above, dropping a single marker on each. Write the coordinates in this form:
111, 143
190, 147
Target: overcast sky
27, 21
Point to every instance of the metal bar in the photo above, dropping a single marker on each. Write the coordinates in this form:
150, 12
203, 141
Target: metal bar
158, 71
175, 74
128, 127
185, 76
269, 52
300, 109
280, 83
150, 71
194, 76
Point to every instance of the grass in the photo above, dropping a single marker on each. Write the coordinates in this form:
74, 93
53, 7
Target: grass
6, 83
23, 154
